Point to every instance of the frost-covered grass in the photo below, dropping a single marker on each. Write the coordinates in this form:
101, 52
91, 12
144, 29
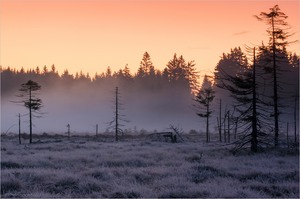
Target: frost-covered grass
88, 167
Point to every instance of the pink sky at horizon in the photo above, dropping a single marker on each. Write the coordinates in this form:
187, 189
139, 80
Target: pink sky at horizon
94, 34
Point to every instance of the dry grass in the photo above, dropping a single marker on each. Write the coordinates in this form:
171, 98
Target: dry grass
86, 167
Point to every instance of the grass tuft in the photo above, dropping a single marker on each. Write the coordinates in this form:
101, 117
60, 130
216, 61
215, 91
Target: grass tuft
130, 194
203, 173
275, 191
10, 186
11, 165
64, 185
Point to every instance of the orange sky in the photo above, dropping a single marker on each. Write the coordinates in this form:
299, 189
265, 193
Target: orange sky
90, 35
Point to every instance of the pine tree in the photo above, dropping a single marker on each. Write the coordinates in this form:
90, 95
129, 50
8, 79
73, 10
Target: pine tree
30, 101
277, 26
146, 66
252, 114
182, 73
230, 64
204, 98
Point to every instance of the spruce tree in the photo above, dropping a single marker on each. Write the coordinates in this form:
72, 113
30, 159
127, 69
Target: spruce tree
278, 35
30, 100
204, 98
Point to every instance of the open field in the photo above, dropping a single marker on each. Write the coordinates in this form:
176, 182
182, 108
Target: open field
99, 167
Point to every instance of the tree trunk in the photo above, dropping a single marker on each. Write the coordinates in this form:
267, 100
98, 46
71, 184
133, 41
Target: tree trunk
207, 122
30, 117
295, 119
19, 128
275, 87
236, 127
96, 130
287, 134
69, 132
117, 115
224, 124
220, 122
254, 113
228, 127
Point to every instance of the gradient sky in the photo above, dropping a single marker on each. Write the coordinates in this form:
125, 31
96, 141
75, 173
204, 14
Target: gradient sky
90, 35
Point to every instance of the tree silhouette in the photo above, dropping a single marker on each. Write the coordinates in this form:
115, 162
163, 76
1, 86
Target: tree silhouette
126, 72
182, 73
230, 64
204, 97
30, 101
116, 123
252, 114
146, 66
277, 26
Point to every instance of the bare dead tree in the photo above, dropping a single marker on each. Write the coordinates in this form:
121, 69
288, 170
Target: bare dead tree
118, 120
19, 116
68, 130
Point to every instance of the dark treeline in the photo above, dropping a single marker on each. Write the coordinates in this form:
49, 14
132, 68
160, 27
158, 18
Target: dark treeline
235, 62
152, 98
178, 73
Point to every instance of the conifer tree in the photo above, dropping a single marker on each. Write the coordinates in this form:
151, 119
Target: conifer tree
278, 35
253, 118
204, 98
30, 100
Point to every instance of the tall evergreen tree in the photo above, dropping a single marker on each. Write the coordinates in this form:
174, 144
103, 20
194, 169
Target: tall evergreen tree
146, 66
182, 73
278, 35
230, 64
252, 117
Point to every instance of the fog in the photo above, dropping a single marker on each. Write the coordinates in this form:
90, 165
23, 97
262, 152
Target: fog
84, 105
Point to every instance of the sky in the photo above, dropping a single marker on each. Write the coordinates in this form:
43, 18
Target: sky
90, 35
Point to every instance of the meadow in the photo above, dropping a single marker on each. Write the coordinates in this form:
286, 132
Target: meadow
86, 166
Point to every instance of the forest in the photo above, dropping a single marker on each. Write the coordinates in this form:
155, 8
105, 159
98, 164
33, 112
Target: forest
157, 132
252, 94
152, 99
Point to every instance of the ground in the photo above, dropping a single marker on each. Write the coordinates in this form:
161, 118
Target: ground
85, 166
